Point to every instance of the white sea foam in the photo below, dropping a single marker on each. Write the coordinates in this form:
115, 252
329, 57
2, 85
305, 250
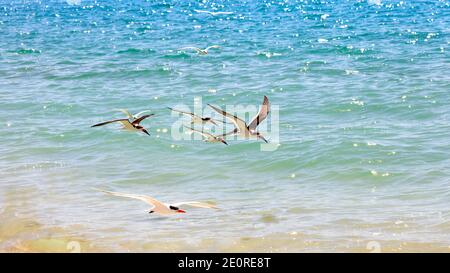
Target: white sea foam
351, 72
324, 16
374, 2
73, 2
269, 54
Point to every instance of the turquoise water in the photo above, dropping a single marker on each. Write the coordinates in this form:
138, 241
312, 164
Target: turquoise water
364, 125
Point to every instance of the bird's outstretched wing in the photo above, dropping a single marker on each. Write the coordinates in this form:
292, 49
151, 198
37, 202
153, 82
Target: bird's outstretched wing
191, 48
196, 205
213, 46
147, 199
125, 111
212, 121
140, 113
239, 123
208, 136
122, 120
185, 113
262, 114
205, 134
233, 132
138, 120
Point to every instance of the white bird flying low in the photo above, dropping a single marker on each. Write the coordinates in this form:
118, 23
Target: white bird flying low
131, 116
133, 126
214, 12
199, 50
242, 129
197, 119
160, 207
207, 136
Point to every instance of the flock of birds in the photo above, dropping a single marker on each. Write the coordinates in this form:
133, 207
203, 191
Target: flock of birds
242, 129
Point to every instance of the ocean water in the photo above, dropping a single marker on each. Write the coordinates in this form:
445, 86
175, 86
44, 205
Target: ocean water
360, 92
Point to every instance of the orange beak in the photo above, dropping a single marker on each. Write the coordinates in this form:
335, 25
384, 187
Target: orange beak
181, 211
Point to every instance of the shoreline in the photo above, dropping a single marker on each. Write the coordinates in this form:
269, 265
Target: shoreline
21, 235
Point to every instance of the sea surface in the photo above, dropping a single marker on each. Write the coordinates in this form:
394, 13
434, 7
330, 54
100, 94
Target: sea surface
359, 128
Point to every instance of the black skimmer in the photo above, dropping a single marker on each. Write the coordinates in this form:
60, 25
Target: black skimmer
133, 126
242, 129
161, 208
199, 50
207, 136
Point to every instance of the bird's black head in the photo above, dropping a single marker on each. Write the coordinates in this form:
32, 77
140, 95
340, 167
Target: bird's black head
177, 209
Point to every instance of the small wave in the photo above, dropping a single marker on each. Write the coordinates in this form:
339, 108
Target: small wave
67, 62
341, 50
136, 51
353, 50
23, 51
269, 218
120, 74
176, 55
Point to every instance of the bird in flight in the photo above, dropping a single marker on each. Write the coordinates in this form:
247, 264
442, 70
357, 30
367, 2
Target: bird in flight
128, 125
161, 208
207, 136
242, 129
199, 50
131, 116
197, 119
213, 13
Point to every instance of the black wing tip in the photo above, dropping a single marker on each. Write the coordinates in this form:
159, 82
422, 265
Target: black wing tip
139, 120
214, 107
